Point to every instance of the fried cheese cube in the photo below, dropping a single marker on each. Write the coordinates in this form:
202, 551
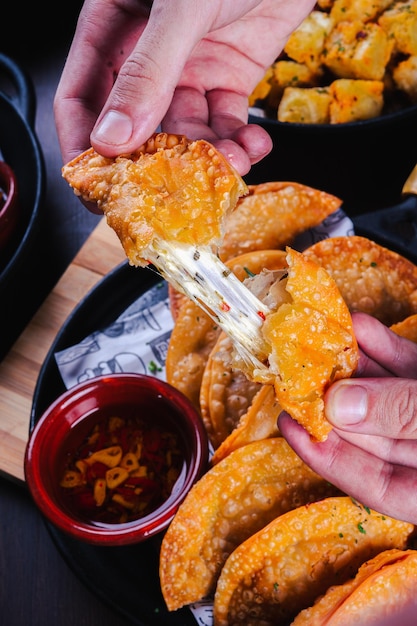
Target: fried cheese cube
288, 73
326, 5
305, 105
354, 100
306, 43
262, 89
400, 24
352, 10
357, 50
405, 77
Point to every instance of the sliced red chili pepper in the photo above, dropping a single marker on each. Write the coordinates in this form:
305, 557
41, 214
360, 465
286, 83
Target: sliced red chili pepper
85, 500
152, 440
96, 470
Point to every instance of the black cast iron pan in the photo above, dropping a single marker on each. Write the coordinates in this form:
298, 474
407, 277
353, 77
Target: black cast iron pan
20, 148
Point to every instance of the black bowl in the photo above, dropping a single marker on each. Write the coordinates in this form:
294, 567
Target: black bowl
364, 163
20, 149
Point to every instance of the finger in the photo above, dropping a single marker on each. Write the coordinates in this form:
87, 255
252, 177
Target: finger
396, 354
104, 37
389, 489
367, 368
243, 145
396, 451
374, 406
146, 82
228, 119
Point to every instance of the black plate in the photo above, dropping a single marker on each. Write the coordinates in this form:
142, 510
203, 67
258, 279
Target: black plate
126, 578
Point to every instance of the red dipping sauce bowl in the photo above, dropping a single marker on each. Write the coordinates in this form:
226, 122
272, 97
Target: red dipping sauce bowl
9, 205
110, 460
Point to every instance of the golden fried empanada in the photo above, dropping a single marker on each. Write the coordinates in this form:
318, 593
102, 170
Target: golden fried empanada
382, 589
271, 216
168, 203
287, 565
233, 500
259, 422
310, 339
226, 393
371, 278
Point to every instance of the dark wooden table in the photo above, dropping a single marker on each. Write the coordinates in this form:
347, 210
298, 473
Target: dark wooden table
37, 588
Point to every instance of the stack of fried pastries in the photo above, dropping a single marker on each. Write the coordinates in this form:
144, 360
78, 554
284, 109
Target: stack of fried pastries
334, 563
268, 539
308, 563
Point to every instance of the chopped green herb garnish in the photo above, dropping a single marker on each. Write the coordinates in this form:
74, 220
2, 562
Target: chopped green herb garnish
153, 367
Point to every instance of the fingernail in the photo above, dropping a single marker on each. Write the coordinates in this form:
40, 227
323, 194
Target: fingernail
348, 405
115, 128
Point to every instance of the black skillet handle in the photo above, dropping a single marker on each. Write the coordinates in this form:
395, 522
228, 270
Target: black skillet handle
394, 227
23, 96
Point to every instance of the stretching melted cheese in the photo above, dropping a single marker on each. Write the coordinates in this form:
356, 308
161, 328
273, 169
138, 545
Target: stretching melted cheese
168, 204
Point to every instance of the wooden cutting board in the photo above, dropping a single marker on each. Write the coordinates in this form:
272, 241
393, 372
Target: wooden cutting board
20, 368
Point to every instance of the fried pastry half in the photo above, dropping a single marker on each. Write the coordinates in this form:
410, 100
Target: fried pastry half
381, 591
287, 565
170, 189
310, 340
371, 278
233, 500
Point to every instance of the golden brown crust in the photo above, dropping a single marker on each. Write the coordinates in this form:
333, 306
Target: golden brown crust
284, 567
272, 214
381, 589
232, 501
169, 189
371, 278
407, 328
311, 343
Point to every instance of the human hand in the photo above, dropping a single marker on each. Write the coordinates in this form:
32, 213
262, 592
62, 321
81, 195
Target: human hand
189, 66
371, 454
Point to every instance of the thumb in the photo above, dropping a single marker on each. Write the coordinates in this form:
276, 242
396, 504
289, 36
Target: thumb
378, 406
144, 88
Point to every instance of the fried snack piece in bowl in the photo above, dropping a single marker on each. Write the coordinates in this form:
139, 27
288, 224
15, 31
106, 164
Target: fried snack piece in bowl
259, 422
287, 565
383, 587
233, 500
272, 215
195, 334
371, 278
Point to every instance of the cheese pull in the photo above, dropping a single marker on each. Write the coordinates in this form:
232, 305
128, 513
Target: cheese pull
168, 203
